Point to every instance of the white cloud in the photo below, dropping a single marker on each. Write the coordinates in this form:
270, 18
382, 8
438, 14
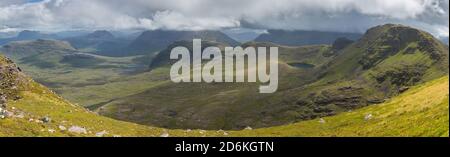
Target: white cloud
4, 29
26, 14
10, 2
174, 20
335, 15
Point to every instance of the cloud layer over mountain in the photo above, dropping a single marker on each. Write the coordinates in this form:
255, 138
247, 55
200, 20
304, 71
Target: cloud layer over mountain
332, 15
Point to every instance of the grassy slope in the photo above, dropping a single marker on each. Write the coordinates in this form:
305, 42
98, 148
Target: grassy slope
94, 95
422, 111
38, 102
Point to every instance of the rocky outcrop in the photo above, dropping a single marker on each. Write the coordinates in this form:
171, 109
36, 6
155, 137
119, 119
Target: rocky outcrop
324, 103
337, 46
341, 43
11, 79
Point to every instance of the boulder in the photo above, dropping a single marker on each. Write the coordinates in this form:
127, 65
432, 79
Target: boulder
321, 120
46, 119
101, 134
78, 130
165, 134
62, 128
3, 99
368, 117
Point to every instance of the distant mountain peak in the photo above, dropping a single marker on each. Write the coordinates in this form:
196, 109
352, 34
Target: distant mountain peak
101, 34
163, 58
38, 45
157, 40
385, 52
394, 38
27, 34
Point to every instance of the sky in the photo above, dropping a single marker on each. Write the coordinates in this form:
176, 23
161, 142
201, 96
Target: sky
320, 15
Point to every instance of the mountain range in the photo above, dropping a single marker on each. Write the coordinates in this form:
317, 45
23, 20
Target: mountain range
153, 41
301, 38
29, 109
100, 42
27, 35
324, 90
315, 81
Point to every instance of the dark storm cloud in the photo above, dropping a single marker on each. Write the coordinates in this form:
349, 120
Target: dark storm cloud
335, 15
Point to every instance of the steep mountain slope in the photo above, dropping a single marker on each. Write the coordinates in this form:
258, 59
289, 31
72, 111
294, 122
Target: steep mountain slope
153, 41
386, 61
315, 81
390, 56
301, 38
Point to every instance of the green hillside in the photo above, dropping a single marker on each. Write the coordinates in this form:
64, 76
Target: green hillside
315, 81
33, 110
30, 109
420, 112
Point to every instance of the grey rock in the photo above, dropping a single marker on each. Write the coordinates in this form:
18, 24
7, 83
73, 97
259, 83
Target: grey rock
46, 119
78, 130
101, 134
